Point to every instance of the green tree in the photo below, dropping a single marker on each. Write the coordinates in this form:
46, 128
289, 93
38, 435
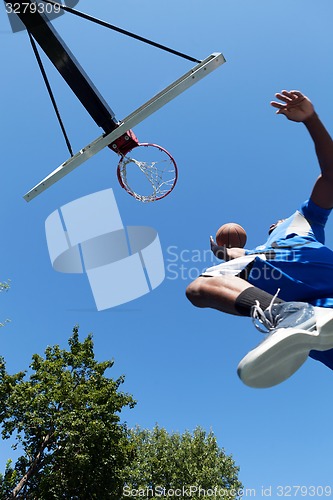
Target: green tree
64, 417
179, 466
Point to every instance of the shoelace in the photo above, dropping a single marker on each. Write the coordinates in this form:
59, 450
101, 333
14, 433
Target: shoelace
265, 318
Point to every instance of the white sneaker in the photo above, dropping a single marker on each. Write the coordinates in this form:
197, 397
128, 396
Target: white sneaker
295, 328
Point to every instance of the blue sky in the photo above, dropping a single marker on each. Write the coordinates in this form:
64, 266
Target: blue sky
237, 161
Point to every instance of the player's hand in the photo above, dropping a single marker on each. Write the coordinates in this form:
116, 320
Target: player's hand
295, 106
220, 252
212, 242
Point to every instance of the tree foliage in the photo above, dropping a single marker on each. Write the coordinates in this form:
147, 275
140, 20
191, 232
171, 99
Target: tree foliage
189, 466
64, 417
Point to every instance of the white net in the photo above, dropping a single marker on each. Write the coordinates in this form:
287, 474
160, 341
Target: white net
148, 181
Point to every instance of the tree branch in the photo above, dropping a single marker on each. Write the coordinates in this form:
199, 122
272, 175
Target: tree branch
35, 466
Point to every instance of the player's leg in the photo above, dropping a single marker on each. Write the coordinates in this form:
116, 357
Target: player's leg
229, 294
296, 327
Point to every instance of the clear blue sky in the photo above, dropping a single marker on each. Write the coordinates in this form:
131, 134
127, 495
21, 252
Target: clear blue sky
238, 162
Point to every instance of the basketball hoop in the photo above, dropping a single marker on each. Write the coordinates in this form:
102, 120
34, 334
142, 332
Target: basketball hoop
159, 171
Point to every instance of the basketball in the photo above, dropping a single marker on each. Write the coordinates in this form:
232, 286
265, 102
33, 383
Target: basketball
231, 235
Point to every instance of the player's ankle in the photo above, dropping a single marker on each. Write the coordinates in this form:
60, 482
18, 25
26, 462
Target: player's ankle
250, 296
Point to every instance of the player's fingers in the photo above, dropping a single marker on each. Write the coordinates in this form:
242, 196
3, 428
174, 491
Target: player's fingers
283, 110
291, 94
299, 97
277, 104
284, 96
297, 93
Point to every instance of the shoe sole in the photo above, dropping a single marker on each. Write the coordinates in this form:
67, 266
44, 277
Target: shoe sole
284, 352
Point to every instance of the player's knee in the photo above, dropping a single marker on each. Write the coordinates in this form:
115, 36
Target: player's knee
195, 292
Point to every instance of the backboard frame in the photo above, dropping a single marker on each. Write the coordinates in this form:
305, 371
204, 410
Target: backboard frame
197, 73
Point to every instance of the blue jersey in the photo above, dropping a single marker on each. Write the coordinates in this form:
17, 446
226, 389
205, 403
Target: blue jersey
298, 263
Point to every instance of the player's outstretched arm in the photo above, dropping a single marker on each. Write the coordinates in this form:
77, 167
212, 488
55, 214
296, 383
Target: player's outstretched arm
297, 107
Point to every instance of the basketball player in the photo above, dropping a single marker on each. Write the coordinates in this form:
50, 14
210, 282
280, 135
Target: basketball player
286, 284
